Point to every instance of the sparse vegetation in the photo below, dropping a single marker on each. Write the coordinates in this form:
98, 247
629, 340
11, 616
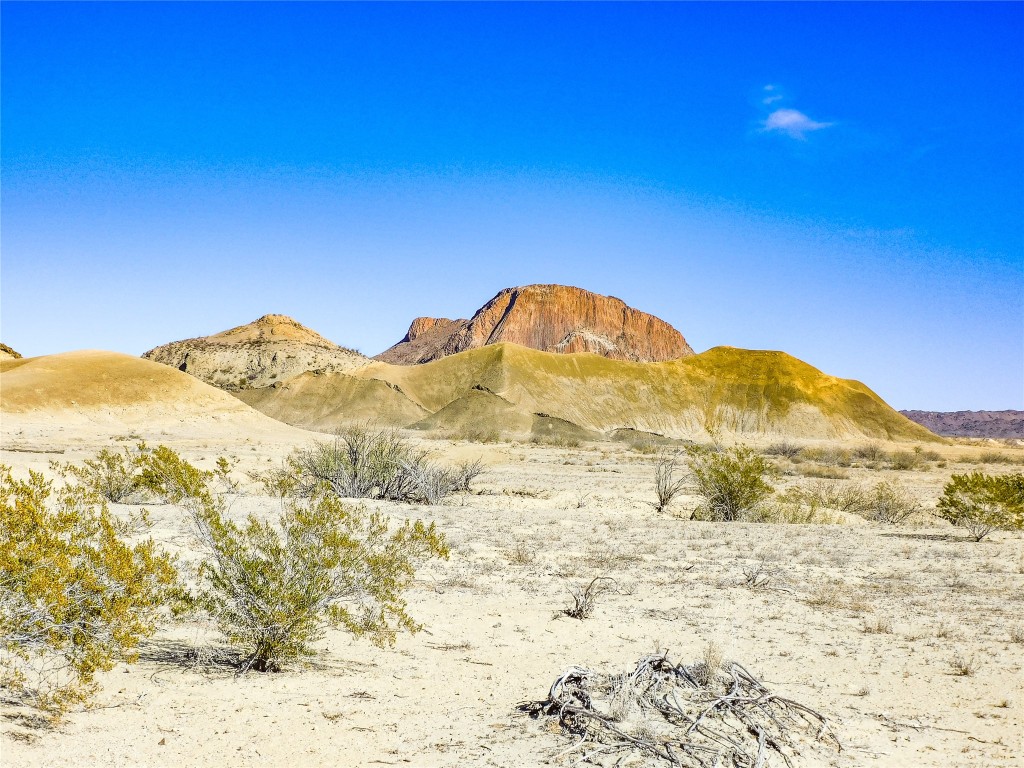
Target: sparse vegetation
891, 503
984, 503
731, 483
114, 475
274, 589
666, 485
585, 598
75, 595
363, 463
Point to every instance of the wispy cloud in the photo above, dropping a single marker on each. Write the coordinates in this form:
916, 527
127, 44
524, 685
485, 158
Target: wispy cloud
793, 123
771, 94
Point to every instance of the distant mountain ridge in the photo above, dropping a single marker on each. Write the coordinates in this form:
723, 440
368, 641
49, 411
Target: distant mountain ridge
268, 350
995, 424
550, 318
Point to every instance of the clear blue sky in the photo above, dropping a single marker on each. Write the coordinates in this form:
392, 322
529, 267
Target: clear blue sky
842, 182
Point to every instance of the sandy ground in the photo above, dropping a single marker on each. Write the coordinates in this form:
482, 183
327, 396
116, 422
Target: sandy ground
541, 520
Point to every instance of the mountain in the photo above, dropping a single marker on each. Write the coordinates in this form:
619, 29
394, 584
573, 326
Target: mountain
112, 393
551, 318
1007, 424
271, 349
518, 391
6, 353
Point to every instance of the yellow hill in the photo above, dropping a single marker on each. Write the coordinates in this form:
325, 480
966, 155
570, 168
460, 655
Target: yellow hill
725, 390
117, 393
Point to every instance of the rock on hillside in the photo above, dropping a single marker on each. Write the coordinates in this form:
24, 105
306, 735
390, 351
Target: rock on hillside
6, 353
551, 318
267, 351
997, 424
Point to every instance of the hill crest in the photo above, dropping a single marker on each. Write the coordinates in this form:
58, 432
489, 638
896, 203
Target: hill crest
550, 318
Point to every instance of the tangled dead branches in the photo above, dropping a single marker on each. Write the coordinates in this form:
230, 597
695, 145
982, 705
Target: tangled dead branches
685, 716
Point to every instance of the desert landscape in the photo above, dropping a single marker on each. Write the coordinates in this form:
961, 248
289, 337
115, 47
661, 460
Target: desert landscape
433, 384
904, 633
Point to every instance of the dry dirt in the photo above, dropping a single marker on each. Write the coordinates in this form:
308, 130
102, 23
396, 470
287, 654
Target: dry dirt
540, 520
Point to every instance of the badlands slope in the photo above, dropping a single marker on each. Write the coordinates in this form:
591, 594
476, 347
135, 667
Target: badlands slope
506, 388
258, 354
94, 394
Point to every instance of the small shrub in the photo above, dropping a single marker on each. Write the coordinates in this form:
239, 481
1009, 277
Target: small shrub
984, 503
521, 554
585, 598
114, 475
666, 485
870, 452
730, 483
826, 473
843, 497
890, 503
964, 666
904, 460
784, 449
75, 597
879, 625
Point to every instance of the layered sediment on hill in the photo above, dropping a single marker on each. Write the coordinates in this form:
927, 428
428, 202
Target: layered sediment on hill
272, 349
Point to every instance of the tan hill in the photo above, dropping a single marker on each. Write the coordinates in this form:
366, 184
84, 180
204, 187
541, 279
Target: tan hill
551, 318
505, 388
115, 393
995, 424
6, 353
271, 349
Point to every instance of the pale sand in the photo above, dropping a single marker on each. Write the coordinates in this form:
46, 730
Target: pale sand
447, 696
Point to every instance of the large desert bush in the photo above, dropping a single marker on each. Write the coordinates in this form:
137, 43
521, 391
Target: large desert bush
984, 503
275, 588
365, 463
732, 483
75, 595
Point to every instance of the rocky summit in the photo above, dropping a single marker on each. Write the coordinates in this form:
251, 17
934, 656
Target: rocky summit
262, 353
551, 318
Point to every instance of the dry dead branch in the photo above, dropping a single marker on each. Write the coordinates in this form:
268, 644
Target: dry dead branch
686, 716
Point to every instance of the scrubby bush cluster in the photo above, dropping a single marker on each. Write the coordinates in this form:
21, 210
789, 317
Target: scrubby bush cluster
984, 503
79, 591
114, 475
75, 595
362, 463
732, 484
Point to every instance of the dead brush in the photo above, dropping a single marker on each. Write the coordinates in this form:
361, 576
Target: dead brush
689, 716
585, 598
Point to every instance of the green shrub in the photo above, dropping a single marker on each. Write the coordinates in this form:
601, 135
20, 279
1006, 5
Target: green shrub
274, 589
984, 503
75, 597
114, 475
731, 483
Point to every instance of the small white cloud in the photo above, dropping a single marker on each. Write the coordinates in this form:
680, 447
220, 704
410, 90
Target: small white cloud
771, 99
793, 123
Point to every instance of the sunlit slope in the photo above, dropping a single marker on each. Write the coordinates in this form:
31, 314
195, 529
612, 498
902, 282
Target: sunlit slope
327, 401
724, 389
119, 392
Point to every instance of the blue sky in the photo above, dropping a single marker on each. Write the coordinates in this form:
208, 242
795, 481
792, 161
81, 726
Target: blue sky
841, 181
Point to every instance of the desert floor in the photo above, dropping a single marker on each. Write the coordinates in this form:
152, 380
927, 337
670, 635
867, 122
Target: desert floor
866, 623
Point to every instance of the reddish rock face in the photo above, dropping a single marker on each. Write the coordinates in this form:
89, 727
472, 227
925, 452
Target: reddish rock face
553, 318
